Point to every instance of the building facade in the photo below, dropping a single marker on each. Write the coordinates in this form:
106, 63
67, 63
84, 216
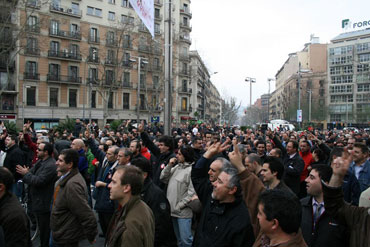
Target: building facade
349, 78
205, 98
311, 62
80, 59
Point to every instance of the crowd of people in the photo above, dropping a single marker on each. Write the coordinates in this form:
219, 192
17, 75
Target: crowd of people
203, 185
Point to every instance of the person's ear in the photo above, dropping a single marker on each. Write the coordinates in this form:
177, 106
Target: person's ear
233, 190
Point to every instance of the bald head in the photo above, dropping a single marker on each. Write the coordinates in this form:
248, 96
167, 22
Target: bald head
77, 144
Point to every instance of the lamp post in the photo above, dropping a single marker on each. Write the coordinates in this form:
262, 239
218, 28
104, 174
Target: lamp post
250, 80
268, 100
140, 60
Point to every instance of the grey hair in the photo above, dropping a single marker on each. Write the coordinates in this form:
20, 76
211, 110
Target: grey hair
225, 163
126, 151
234, 178
254, 158
116, 149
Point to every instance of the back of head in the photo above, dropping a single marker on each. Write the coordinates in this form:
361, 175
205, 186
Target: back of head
255, 158
143, 164
188, 153
284, 207
6, 178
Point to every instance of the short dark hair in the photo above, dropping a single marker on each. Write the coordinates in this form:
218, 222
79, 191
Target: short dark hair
167, 141
13, 138
70, 155
261, 142
188, 153
295, 144
324, 171
275, 165
196, 138
133, 176
361, 146
6, 178
282, 206
336, 151
48, 148
143, 164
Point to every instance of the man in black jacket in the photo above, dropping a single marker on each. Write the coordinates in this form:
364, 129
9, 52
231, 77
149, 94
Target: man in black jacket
155, 198
293, 166
161, 155
225, 218
41, 179
319, 228
13, 219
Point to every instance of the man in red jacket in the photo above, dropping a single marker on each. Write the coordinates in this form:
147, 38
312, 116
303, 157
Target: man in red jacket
305, 153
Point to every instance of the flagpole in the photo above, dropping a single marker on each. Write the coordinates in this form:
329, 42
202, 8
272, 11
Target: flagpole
168, 70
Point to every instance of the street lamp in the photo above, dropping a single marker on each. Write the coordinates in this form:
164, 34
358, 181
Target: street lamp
140, 61
268, 100
250, 80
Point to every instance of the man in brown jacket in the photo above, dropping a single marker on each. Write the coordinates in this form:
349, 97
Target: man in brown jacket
132, 224
277, 224
71, 218
356, 218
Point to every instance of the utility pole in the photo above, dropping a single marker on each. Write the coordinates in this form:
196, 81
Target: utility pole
309, 105
168, 70
140, 61
299, 94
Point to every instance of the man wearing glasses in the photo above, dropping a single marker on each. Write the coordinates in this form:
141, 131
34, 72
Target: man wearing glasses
41, 179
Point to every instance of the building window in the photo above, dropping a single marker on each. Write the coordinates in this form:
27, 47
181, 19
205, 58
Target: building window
155, 102
126, 101
157, 13
184, 104
142, 102
94, 11
74, 29
127, 19
53, 97
126, 41
75, 8
184, 85
93, 99
72, 98
31, 68
112, 1
125, 3
109, 77
111, 16
157, 28
93, 75
54, 47
31, 96
156, 82
94, 35
110, 100
73, 73
54, 72
142, 80
126, 79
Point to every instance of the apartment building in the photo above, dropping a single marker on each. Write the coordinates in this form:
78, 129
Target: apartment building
205, 99
80, 59
311, 62
349, 78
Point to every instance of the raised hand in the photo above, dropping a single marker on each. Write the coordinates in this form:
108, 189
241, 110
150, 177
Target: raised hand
236, 159
340, 168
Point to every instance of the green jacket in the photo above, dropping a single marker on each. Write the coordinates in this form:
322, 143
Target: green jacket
131, 226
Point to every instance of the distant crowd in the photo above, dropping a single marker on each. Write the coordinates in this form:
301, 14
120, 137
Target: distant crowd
203, 185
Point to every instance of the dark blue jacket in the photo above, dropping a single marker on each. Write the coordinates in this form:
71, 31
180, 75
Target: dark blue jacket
364, 177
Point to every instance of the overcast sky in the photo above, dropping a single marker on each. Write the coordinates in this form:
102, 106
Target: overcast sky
246, 38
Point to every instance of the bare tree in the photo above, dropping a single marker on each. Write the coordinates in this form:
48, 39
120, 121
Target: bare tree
230, 108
